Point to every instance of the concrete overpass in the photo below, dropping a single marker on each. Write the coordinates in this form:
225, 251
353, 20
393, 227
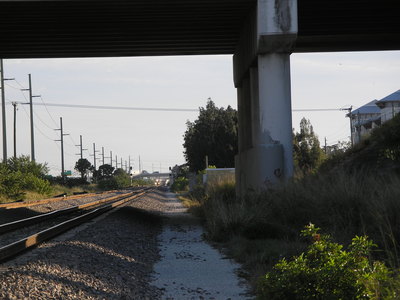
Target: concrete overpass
152, 175
260, 33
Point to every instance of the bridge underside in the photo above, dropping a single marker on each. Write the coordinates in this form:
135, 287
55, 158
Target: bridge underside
94, 28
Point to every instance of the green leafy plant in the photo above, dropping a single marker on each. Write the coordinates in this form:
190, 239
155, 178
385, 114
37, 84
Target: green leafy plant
180, 184
20, 176
327, 271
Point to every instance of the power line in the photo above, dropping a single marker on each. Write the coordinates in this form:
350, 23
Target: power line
157, 108
45, 106
121, 107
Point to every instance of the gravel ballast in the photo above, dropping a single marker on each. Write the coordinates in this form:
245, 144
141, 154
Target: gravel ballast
147, 249
110, 258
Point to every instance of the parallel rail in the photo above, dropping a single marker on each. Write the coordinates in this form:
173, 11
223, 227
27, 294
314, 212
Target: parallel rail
17, 247
49, 200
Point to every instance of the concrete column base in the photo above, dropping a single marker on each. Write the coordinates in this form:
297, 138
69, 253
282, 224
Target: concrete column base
258, 168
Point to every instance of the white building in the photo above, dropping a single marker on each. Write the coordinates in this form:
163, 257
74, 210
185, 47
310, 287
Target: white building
363, 120
371, 115
390, 106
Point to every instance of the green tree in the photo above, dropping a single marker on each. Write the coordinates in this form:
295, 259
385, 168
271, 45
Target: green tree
214, 134
307, 152
24, 165
82, 166
105, 171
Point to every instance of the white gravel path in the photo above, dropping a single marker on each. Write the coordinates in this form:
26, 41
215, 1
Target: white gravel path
189, 267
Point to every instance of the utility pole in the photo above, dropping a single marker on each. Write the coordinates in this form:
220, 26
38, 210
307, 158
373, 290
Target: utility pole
116, 162
62, 134
111, 159
126, 167
102, 153
351, 127
129, 162
106, 157
80, 147
122, 166
15, 128
31, 116
94, 155
3, 109
358, 127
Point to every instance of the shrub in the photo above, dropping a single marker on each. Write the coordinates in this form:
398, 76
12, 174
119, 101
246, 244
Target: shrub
326, 271
36, 184
117, 181
20, 175
180, 184
24, 165
11, 184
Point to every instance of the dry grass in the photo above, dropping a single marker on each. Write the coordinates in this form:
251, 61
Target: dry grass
56, 190
260, 229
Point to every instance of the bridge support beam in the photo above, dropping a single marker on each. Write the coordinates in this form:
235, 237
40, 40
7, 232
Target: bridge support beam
262, 79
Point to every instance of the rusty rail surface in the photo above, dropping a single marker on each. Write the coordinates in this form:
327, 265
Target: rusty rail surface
17, 247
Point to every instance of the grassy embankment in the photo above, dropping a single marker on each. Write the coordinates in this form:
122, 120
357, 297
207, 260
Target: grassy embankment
355, 193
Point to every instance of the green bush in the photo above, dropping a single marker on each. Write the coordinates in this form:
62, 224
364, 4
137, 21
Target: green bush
326, 271
24, 165
36, 184
13, 184
180, 184
117, 181
20, 175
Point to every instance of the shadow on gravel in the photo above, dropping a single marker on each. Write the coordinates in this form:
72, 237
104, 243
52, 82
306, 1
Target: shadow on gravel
110, 259
14, 214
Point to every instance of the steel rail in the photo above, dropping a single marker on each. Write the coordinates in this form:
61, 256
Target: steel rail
46, 216
49, 200
17, 247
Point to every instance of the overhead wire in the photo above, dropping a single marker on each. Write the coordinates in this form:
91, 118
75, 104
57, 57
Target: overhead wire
106, 107
45, 106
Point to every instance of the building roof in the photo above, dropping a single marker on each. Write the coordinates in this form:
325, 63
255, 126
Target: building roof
369, 108
392, 97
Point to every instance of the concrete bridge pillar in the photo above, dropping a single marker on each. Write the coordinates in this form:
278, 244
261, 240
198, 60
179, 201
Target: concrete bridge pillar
262, 79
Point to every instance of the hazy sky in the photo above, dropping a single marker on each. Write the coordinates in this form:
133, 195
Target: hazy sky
328, 80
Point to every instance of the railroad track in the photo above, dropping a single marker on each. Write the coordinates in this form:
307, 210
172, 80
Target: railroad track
49, 200
57, 222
